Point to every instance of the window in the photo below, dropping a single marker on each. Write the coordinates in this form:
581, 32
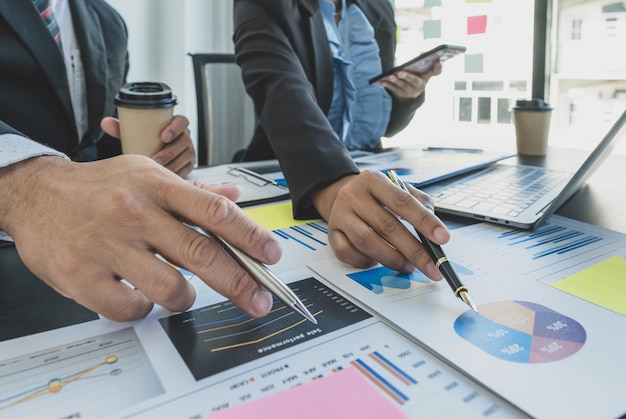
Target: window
589, 69
470, 102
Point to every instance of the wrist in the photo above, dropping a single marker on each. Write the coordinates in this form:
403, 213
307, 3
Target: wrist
324, 198
19, 183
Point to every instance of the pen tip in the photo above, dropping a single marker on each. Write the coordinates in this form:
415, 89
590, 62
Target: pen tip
467, 300
300, 308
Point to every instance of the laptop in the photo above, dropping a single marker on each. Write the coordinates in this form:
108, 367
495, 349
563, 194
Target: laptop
520, 196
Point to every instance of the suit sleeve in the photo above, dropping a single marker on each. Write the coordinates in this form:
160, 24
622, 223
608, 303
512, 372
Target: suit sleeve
271, 47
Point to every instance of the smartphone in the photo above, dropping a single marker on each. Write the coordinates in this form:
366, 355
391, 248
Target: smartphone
423, 62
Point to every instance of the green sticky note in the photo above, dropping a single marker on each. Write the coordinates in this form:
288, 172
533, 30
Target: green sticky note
603, 284
474, 63
432, 29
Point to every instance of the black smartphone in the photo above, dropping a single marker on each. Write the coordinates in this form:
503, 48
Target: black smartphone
423, 62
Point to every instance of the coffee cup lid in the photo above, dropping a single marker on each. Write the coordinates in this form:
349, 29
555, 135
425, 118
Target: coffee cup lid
145, 95
534, 104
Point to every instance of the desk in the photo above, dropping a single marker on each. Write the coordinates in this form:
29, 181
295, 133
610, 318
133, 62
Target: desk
595, 203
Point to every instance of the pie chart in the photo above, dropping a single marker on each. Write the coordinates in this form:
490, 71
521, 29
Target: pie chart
521, 331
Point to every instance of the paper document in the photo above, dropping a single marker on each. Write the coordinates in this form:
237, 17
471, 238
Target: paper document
255, 188
531, 341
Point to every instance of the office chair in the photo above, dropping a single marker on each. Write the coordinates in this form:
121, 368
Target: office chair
226, 116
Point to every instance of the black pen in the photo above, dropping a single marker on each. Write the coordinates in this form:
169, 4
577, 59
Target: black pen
438, 256
265, 277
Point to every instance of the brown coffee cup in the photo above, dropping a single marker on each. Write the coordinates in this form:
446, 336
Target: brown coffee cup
532, 126
144, 110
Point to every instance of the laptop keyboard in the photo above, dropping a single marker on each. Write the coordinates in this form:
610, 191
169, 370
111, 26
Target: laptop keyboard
508, 191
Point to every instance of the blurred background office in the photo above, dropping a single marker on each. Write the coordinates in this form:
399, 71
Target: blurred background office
569, 52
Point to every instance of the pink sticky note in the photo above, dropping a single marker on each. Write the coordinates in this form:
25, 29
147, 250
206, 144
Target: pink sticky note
343, 394
476, 24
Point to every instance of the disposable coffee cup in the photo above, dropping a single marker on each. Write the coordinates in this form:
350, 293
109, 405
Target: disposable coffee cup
532, 126
144, 110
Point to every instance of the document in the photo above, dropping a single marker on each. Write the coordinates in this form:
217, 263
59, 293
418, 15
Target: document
255, 188
536, 349
214, 357
548, 337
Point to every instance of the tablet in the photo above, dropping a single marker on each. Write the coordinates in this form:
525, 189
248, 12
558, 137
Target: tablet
423, 62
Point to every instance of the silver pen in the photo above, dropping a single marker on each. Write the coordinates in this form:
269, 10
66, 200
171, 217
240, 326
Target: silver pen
265, 277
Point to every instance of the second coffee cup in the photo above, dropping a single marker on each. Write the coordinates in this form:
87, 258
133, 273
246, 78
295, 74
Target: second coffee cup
532, 125
144, 110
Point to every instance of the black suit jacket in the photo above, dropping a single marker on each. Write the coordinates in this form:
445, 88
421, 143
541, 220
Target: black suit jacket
35, 97
282, 49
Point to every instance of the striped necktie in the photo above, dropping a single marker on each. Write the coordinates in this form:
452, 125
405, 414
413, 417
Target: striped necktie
45, 10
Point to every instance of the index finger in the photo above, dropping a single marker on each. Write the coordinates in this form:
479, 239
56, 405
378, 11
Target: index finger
218, 214
417, 208
175, 128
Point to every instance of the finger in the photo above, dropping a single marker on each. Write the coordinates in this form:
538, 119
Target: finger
182, 163
203, 256
365, 222
111, 127
108, 296
429, 224
157, 280
173, 149
174, 129
223, 217
231, 191
383, 236
407, 86
388, 229
346, 252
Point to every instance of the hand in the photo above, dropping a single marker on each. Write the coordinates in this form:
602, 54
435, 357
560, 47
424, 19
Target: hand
82, 227
405, 85
178, 155
363, 226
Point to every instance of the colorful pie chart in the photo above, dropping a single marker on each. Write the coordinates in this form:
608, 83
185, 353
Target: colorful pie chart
520, 331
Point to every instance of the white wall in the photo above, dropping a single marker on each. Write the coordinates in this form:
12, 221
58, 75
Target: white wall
162, 32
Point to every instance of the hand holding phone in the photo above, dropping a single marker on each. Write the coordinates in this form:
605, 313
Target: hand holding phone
423, 62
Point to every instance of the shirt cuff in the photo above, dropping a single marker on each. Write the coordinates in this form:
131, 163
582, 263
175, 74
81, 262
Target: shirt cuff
15, 148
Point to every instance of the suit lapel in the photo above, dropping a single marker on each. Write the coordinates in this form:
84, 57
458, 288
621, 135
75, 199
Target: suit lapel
37, 39
90, 39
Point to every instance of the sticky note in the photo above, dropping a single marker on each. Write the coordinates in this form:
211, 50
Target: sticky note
474, 63
603, 284
476, 24
432, 29
431, 3
343, 394
276, 216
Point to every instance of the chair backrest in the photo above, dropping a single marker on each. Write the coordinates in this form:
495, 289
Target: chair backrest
226, 116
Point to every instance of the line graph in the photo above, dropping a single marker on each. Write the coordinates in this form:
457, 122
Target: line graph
214, 338
92, 377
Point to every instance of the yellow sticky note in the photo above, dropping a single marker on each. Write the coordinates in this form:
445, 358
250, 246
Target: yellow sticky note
275, 217
603, 284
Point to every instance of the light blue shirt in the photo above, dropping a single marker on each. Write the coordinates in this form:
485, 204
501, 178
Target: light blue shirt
359, 113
